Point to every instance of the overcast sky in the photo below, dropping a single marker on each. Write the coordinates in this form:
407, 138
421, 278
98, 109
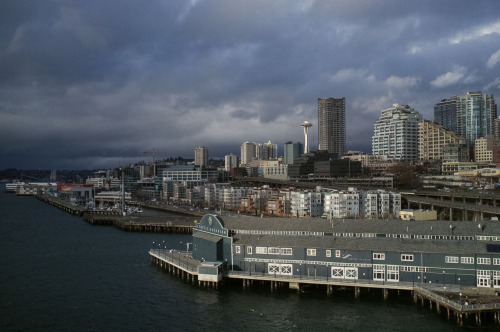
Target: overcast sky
94, 84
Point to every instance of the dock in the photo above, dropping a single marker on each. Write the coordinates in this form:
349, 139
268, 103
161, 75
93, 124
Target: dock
148, 224
452, 300
183, 223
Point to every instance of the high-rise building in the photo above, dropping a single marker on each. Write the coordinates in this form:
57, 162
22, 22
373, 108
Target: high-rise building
396, 133
473, 113
445, 113
291, 151
266, 151
432, 138
201, 156
331, 125
231, 161
248, 152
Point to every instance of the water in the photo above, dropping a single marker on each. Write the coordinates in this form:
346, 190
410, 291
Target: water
58, 273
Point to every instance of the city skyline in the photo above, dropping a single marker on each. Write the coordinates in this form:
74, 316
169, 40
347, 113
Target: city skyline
94, 85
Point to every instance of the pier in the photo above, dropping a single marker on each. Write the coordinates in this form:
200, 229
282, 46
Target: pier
149, 224
451, 301
181, 224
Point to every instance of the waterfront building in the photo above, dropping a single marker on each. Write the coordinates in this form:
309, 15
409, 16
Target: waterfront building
433, 138
366, 251
341, 204
279, 204
201, 156
233, 195
255, 201
305, 204
375, 204
475, 115
331, 125
396, 133
111, 197
292, 151
484, 148
214, 194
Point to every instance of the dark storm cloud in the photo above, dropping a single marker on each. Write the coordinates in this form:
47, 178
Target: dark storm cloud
96, 83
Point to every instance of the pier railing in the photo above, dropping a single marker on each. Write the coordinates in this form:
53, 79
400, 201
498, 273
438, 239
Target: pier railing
177, 258
427, 291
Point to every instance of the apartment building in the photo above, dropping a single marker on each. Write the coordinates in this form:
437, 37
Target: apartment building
433, 138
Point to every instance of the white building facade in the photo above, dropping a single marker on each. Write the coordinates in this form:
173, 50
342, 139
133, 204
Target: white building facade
396, 133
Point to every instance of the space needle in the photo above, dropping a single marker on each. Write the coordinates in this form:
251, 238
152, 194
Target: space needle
306, 125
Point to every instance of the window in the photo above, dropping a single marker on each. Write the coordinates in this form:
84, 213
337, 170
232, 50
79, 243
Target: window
406, 258
451, 259
273, 251
249, 250
261, 250
311, 252
467, 260
238, 249
378, 272
286, 251
379, 257
337, 253
328, 253
392, 273
484, 261
496, 261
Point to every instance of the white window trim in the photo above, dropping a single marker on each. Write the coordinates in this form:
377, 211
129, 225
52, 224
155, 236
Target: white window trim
378, 256
467, 260
238, 249
483, 261
311, 252
261, 250
451, 259
249, 250
328, 253
273, 251
406, 257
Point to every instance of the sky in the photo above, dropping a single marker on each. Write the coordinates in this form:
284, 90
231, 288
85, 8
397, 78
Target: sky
100, 84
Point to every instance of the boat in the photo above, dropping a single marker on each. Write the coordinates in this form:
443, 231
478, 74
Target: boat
11, 187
